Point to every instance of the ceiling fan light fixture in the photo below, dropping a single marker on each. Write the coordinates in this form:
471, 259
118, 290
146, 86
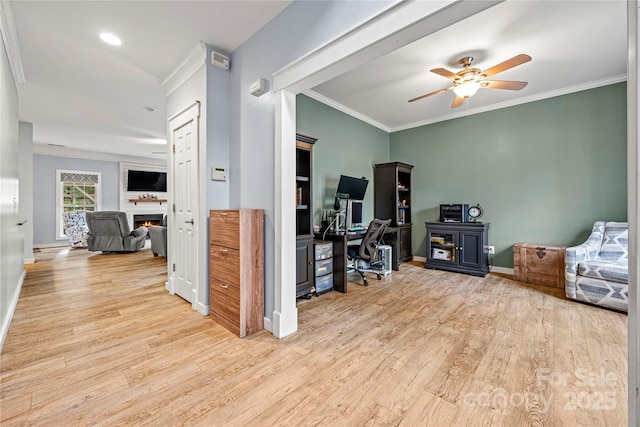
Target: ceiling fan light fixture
111, 39
467, 81
466, 90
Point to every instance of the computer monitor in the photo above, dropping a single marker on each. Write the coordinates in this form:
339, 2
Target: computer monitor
351, 188
356, 213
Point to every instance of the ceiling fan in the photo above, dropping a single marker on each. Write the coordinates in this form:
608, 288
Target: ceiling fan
467, 82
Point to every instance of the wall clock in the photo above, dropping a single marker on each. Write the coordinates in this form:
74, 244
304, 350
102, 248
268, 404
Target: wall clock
474, 213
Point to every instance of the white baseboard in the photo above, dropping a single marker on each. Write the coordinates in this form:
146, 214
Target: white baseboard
419, 259
202, 309
268, 325
502, 270
29, 260
12, 308
51, 245
282, 325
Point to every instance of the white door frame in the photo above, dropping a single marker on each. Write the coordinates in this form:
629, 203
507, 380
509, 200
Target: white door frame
394, 28
633, 211
191, 112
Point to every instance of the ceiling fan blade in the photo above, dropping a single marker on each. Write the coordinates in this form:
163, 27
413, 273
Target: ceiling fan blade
503, 84
509, 63
444, 73
432, 93
457, 102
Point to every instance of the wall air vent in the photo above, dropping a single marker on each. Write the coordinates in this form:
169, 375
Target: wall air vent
219, 60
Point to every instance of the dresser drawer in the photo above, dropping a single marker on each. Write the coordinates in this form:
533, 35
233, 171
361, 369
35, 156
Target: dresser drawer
324, 266
225, 301
323, 250
236, 269
224, 228
225, 264
324, 283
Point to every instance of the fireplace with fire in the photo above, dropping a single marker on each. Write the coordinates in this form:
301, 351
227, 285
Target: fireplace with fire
146, 220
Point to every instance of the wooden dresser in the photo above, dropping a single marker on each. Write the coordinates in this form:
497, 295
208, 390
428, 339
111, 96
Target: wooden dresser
539, 264
236, 269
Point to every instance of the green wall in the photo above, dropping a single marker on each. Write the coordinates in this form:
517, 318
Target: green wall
345, 145
543, 171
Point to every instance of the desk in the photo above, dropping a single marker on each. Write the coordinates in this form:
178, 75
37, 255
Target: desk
340, 241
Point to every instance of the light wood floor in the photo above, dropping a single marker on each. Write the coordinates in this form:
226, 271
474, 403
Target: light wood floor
97, 340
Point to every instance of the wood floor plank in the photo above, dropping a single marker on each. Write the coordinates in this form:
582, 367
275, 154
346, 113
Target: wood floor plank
96, 340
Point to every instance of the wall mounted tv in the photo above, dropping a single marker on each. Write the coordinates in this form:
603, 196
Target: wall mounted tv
146, 181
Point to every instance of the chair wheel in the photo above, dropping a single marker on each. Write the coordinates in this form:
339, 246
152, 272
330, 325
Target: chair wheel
366, 283
378, 276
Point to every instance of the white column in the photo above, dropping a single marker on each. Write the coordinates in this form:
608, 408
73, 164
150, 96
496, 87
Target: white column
285, 314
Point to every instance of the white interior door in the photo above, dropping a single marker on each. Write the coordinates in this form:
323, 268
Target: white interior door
184, 131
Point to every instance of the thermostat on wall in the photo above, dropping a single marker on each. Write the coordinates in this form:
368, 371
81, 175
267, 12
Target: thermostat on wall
218, 174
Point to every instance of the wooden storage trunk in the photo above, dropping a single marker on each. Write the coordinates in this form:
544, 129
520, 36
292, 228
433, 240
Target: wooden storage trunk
539, 264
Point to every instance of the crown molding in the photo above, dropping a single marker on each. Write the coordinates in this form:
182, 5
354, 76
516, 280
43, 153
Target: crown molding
48, 150
194, 60
337, 106
10, 38
464, 113
538, 97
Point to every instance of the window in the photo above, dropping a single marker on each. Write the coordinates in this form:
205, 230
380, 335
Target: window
75, 191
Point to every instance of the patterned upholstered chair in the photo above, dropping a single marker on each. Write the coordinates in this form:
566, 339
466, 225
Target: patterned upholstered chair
75, 228
597, 271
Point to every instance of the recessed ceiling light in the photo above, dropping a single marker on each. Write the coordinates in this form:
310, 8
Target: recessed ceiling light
150, 109
111, 39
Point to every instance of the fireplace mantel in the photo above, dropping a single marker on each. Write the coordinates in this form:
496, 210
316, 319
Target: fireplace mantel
136, 201
140, 203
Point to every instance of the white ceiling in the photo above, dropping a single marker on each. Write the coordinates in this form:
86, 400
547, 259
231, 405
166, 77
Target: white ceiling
574, 45
86, 95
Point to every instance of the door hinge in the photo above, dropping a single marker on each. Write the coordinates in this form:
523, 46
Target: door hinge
174, 148
174, 267
174, 208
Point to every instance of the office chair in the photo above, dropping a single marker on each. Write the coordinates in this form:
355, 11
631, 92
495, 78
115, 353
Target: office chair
367, 250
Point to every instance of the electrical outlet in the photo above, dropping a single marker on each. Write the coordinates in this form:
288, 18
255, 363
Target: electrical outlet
492, 249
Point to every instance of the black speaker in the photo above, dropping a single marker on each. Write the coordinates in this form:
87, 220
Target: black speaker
454, 213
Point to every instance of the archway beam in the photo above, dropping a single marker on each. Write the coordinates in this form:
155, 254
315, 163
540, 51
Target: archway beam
398, 26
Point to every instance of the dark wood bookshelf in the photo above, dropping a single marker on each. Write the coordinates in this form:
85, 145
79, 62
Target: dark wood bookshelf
305, 281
